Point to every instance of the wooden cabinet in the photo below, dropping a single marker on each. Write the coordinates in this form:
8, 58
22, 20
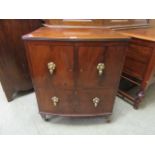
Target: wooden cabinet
75, 77
14, 74
138, 56
139, 67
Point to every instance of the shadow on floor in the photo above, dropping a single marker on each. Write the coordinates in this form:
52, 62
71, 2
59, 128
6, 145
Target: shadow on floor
79, 121
22, 93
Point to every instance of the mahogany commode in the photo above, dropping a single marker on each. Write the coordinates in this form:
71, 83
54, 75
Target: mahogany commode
75, 72
139, 67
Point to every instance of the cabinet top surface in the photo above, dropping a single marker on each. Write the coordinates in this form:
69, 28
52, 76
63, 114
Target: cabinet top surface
45, 33
143, 33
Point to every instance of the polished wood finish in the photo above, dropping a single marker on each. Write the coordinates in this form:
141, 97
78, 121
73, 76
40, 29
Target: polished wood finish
46, 33
139, 64
97, 23
147, 34
137, 59
14, 75
75, 80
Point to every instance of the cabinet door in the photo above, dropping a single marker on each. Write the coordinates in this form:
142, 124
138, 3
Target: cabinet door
42, 55
89, 59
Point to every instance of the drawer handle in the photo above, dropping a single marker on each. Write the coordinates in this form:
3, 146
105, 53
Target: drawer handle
51, 67
96, 101
100, 68
55, 100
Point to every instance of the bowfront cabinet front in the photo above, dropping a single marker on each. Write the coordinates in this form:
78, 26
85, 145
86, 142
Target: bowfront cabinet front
75, 78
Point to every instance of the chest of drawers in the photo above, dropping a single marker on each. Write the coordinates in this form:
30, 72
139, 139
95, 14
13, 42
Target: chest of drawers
139, 67
75, 75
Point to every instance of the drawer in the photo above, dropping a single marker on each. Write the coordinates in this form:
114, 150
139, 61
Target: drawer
95, 102
56, 101
80, 102
137, 59
134, 68
139, 53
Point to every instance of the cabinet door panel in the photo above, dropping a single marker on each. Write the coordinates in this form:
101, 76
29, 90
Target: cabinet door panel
89, 57
61, 56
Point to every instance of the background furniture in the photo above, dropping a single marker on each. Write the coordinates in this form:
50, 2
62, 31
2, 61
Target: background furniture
74, 71
97, 23
139, 68
14, 75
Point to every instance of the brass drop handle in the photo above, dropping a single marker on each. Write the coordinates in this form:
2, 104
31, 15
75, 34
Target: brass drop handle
51, 67
96, 101
100, 68
55, 100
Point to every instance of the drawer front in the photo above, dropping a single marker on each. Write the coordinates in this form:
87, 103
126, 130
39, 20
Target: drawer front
56, 101
137, 60
134, 68
91, 57
96, 101
139, 53
43, 57
79, 102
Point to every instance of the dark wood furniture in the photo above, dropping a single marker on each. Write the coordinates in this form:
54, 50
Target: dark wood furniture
75, 72
139, 68
138, 72
14, 75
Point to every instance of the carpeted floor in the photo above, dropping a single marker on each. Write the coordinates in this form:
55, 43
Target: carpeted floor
21, 117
